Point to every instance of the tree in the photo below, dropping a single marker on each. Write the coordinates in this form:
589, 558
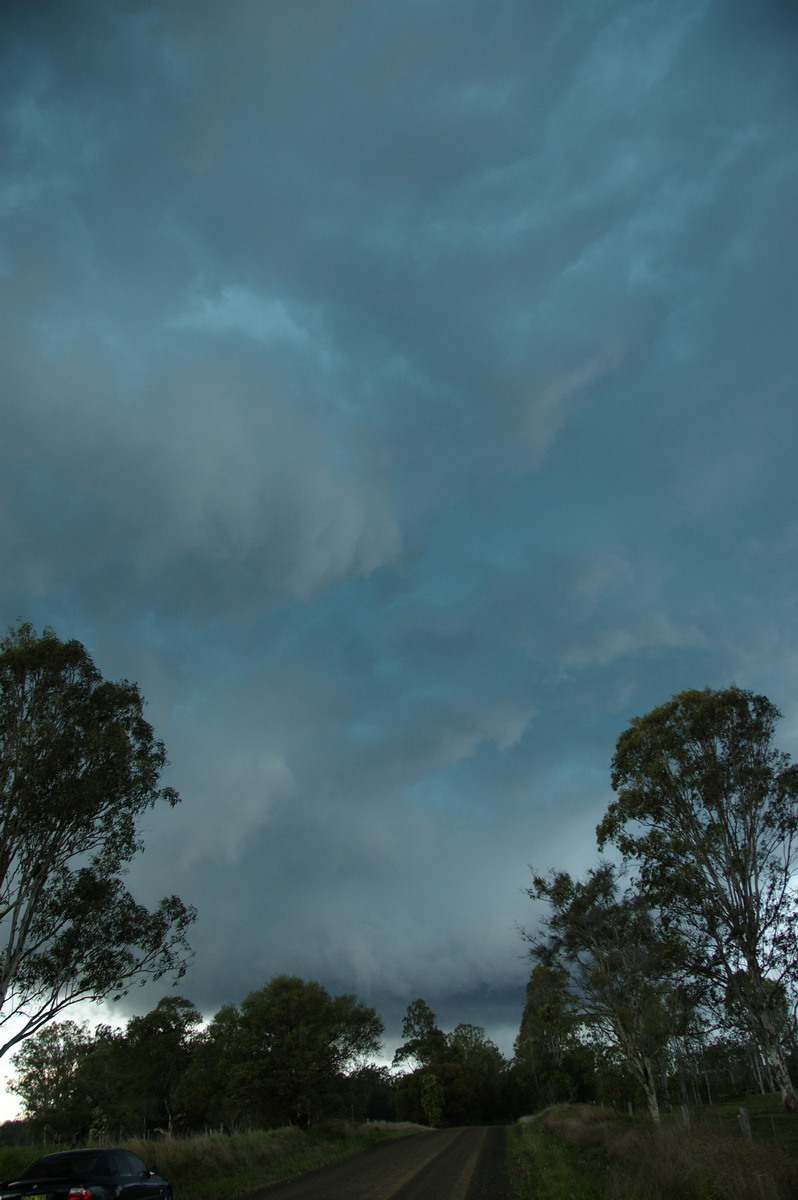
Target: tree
68, 1079
424, 1041
708, 808
549, 1020
622, 969
47, 1079
206, 1092
547, 1049
469, 1044
432, 1098
293, 1049
467, 1065
439, 1093
78, 766
370, 1094
155, 1053
71, 1080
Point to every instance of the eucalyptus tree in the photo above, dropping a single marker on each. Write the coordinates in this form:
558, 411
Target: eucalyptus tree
549, 1021
622, 971
707, 807
423, 1040
78, 766
550, 1061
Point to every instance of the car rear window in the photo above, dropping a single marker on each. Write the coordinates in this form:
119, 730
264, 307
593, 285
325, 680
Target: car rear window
56, 1166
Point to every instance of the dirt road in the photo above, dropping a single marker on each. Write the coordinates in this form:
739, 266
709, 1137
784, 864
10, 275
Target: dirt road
444, 1164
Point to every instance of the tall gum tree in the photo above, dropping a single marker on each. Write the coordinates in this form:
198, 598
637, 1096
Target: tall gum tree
78, 766
620, 972
708, 808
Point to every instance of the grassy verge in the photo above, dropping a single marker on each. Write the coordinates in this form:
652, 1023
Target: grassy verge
560, 1154
14, 1159
579, 1152
216, 1167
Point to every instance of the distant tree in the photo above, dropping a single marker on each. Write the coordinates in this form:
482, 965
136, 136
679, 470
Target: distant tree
370, 1094
152, 1057
623, 971
470, 1045
439, 1093
549, 1061
293, 1049
78, 766
424, 1041
431, 1098
16, 1133
207, 1093
467, 1067
708, 808
549, 1021
48, 1081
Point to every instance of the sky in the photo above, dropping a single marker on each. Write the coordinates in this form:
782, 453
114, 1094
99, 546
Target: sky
404, 396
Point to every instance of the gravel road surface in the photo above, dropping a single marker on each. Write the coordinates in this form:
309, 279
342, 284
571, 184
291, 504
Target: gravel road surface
444, 1164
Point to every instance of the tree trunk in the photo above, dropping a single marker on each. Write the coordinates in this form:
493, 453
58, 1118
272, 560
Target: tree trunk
777, 1063
647, 1078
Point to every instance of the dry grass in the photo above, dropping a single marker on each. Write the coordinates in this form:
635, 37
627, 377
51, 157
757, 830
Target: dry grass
218, 1167
570, 1148
215, 1166
673, 1163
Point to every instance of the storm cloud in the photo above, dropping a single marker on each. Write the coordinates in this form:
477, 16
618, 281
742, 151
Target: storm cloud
404, 396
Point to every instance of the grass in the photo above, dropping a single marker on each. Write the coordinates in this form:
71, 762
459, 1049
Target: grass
560, 1154
14, 1159
581, 1152
770, 1125
218, 1167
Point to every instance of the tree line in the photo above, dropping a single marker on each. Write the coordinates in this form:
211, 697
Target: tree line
664, 970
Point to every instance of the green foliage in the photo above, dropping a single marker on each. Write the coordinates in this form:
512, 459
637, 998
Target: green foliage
73, 1082
424, 1041
469, 1045
285, 1056
621, 972
371, 1094
48, 1079
708, 809
290, 1053
130, 1078
78, 766
201, 1094
431, 1098
293, 1046
459, 1096
469, 1071
550, 1062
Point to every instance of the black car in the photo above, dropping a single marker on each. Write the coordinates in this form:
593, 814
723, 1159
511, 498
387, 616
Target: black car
87, 1175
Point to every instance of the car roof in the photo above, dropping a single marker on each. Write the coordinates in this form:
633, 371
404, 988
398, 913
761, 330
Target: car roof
85, 1151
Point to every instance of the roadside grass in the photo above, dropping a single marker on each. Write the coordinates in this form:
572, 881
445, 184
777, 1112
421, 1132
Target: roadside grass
560, 1154
220, 1167
14, 1159
770, 1124
581, 1152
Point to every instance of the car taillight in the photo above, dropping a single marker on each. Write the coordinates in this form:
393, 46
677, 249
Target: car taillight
79, 1193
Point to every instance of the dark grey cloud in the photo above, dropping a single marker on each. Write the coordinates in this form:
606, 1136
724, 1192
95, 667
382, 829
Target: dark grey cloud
404, 396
